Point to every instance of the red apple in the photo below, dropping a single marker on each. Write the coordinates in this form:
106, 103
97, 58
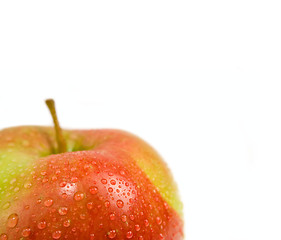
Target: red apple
84, 185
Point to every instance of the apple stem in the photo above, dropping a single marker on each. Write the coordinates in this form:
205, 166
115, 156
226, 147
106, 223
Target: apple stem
59, 136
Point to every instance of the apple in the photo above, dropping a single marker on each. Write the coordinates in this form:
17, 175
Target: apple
84, 185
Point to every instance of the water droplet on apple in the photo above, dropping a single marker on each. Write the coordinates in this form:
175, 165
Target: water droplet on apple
110, 189
62, 211
42, 225
129, 234
104, 181
63, 184
64, 195
158, 220
78, 196
141, 238
54, 178
26, 232
112, 234
106, 204
161, 237
3, 236
90, 205
112, 216
124, 218
146, 223
6, 205
56, 234
112, 182
27, 185
74, 179
166, 205
137, 227
13, 181
66, 223
48, 202
13, 220
93, 190
119, 203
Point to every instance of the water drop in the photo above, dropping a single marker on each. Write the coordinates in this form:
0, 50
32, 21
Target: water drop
112, 216
104, 181
129, 234
42, 225
110, 189
106, 204
124, 218
113, 182
6, 205
54, 178
64, 195
56, 234
13, 181
112, 234
26, 232
63, 184
78, 196
137, 227
74, 179
90, 205
27, 185
66, 223
158, 220
93, 190
146, 223
3, 236
44, 180
48, 202
62, 211
119, 203
13, 220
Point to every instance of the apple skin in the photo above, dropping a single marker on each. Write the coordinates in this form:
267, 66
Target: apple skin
109, 185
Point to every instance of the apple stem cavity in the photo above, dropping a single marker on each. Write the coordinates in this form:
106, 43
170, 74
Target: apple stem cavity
59, 136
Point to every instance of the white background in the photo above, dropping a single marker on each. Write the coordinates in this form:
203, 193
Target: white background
198, 79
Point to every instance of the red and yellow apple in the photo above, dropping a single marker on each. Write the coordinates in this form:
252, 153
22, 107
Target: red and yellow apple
84, 185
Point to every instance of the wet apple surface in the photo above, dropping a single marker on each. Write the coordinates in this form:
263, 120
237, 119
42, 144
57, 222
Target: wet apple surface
109, 184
